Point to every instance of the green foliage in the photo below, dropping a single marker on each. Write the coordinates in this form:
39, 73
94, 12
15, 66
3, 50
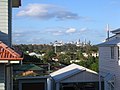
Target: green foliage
91, 63
79, 55
94, 67
64, 58
31, 59
49, 55
70, 52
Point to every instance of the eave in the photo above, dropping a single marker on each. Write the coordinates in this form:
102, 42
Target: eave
6, 53
16, 3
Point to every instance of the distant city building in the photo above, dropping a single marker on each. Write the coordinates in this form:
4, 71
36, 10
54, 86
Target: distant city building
58, 43
78, 43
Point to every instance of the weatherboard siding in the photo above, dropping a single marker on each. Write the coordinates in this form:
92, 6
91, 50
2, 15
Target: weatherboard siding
3, 36
2, 77
105, 58
105, 61
108, 65
84, 76
5, 22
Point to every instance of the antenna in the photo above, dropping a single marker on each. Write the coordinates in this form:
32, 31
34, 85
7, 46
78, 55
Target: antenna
108, 32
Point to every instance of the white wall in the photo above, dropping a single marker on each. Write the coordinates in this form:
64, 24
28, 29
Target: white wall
5, 22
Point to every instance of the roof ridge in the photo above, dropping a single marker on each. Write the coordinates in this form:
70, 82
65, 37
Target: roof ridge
6, 53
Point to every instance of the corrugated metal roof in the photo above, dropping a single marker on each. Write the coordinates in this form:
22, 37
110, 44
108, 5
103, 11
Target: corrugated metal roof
113, 42
117, 31
26, 67
34, 77
69, 71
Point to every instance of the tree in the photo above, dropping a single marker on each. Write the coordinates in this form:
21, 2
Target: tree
64, 58
79, 55
49, 55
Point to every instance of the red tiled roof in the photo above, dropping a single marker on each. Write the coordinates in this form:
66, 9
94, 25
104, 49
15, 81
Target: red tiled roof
7, 53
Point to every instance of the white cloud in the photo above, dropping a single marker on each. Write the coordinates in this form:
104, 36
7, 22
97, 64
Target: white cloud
18, 34
57, 33
71, 30
47, 11
34, 10
83, 29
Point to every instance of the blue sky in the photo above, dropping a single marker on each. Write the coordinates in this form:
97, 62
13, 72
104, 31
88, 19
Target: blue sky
44, 21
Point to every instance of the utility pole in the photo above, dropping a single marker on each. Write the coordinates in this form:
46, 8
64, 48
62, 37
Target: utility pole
55, 48
49, 67
108, 32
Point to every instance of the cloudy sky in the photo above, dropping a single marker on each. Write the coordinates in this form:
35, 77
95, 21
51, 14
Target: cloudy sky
44, 21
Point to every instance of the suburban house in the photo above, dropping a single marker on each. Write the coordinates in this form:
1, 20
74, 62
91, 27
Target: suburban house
75, 77
6, 19
27, 70
7, 55
7, 58
109, 62
71, 77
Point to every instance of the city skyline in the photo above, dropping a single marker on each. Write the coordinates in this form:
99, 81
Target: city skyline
44, 21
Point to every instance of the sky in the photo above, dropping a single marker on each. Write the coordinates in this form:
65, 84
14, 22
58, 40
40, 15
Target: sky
45, 21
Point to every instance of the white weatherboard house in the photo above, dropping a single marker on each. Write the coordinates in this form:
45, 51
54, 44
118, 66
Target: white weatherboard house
6, 19
7, 55
109, 62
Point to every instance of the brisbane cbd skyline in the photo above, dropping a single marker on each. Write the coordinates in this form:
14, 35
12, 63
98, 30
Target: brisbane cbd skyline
45, 21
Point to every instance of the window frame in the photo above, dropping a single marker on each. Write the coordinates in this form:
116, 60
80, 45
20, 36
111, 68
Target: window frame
112, 52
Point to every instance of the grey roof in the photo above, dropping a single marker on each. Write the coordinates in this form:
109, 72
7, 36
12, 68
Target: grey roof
113, 42
33, 77
64, 75
117, 31
25, 67
69, 71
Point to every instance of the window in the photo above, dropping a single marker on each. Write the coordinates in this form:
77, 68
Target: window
112, 53
118, 53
